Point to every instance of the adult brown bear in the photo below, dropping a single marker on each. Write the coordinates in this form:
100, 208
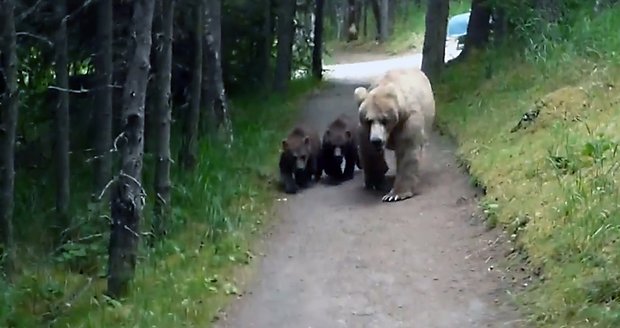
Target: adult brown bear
398, 111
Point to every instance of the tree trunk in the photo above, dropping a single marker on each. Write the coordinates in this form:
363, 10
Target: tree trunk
9, 97
385, 23
189, 149
365, 17
392, 6
103, 97
265, 43
163, 118
434, 51
286, 33
352, 27
61, 129
479, 28
317, 50
500, 24
213, 47
127, 194
376, 12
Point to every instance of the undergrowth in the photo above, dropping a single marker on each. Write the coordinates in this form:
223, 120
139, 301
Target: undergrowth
183, 279
553, 182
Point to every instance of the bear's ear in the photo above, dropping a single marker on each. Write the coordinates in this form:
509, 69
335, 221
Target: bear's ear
390, 89
306, 140
284, 144
360, 94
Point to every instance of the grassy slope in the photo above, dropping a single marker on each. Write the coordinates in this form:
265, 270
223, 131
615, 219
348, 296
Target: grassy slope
553, 185
218, 208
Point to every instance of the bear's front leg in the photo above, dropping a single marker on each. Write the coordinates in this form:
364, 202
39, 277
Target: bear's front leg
290, 187
349, 169
407, 169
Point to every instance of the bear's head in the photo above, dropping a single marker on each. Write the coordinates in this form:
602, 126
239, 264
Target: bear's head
297, 149
378, 112
337, 135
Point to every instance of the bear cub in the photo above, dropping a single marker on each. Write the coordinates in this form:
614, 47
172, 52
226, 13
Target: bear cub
372, 160
299, 159
340, 144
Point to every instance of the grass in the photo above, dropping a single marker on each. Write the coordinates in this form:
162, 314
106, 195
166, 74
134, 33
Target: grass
552, 185
408, 33
185, 279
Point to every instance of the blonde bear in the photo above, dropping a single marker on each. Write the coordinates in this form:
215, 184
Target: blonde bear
398, 111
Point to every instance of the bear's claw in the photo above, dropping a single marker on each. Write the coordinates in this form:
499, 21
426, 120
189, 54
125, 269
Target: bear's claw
391, 197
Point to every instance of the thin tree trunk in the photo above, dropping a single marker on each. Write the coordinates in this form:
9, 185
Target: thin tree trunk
9, 102
128, 196
265, 43
213, 42
385, 23
317, 50
376, 11
392, 5
479, 28
189, 149
103, 96
365, 17
61, 130
434, 51
352, 27
163, 118
286, 32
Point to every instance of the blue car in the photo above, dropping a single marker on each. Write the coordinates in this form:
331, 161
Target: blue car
457, 28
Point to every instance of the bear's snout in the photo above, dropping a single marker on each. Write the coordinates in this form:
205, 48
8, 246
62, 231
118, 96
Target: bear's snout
377, 143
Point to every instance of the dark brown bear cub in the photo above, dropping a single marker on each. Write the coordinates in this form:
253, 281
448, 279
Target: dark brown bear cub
299, 160
372, 160
340, 144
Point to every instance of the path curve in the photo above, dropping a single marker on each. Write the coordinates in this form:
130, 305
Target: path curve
339, 257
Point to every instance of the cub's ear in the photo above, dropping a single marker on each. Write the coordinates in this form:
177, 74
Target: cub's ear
284, 144
306, 140
360, 94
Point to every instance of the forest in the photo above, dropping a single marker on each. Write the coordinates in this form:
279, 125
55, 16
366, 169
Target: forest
139, 142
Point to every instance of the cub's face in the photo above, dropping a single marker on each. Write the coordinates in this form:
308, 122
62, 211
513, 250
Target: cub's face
336, 139
378, 113
298, 151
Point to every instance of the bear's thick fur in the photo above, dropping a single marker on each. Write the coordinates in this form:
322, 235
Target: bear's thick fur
300, 158
340, 143
371, 160
399, 111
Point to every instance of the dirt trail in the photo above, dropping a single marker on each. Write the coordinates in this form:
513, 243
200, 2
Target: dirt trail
339, 257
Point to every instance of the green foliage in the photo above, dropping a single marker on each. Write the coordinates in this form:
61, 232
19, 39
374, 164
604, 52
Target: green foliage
552, 185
